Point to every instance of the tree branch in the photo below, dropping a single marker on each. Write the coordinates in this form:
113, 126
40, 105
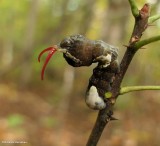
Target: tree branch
146, 41
153, 18
134, 8
102, 119
140, 26
128, 89
105, 115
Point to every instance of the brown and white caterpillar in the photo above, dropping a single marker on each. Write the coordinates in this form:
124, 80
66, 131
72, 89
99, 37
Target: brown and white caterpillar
79, 51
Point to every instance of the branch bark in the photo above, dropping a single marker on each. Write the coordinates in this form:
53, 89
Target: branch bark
99, 126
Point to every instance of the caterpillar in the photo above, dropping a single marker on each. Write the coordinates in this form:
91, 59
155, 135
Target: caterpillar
79, 51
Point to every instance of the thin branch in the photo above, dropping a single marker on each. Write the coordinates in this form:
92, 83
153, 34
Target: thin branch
146, 41
153, 18
125, 90
102, 120
105, 115
134, 8
139, 28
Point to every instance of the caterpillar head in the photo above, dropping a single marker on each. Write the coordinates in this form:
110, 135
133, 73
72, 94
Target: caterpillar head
78, 50
74, 51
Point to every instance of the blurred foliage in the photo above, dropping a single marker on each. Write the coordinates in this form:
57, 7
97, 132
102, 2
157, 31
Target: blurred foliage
53, 108
15, 120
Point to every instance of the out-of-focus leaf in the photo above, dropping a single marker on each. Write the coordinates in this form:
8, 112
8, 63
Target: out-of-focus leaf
48, 121
15, 120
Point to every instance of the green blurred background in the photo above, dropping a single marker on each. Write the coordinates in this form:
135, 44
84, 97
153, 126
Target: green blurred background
53, 112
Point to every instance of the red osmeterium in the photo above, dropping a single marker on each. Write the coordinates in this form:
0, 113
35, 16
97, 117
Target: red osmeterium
51, 50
